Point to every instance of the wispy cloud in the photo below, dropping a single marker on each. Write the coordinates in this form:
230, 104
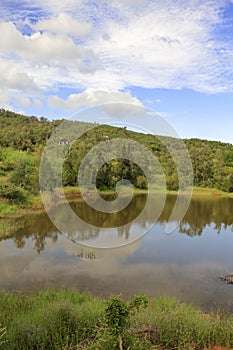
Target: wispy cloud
114, 46
165, 47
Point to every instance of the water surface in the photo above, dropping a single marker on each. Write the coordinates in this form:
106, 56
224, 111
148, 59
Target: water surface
184, 264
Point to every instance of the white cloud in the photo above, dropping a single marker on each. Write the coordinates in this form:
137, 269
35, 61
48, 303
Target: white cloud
133, 2
5, 97
39, 61
161, 114
54, 49
22, 101
161, 48
64, 24
45, 48
162, 44
148, 101
37, 102
54, 6
94, 97
11, 40
12, 78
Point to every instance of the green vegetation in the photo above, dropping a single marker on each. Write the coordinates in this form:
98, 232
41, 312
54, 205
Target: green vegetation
22, 140
2, 335
70, 320
117, 315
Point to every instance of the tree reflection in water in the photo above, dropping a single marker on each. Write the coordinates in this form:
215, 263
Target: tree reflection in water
202, 212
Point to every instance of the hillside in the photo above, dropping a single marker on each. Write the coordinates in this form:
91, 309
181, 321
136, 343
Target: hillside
22, 140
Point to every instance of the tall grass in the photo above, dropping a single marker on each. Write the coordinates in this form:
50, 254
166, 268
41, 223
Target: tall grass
72, 320
7, 208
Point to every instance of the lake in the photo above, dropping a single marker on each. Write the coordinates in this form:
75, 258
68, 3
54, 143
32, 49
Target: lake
185, 263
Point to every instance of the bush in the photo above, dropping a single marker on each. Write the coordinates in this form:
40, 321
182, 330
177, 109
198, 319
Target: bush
141, 183
12, 192
117, 314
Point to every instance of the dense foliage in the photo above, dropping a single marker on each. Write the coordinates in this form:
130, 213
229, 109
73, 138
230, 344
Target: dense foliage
22, 140
24, 133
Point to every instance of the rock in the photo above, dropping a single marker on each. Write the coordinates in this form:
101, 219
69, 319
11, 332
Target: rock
228, 279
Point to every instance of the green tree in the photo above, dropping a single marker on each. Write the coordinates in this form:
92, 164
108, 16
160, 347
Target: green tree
25, 174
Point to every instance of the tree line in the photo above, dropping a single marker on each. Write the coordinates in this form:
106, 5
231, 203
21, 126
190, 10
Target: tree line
22, 140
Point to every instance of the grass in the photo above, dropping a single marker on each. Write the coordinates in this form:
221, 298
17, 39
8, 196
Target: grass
48, 320
34, 203
210, 191
7, 209
71, 320
195, 192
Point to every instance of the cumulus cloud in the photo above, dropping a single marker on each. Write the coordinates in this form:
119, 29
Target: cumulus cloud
45, 48
93, 97
64, 24
11, 40
22, 101
29, 63
5, 98
58, 49
162, 44
12, 78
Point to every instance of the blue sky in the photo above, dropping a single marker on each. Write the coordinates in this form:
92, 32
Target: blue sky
174, 57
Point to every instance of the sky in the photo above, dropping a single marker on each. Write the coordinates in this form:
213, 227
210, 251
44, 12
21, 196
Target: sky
174, 57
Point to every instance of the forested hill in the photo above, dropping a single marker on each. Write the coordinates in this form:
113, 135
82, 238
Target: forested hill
22, 140
24, 133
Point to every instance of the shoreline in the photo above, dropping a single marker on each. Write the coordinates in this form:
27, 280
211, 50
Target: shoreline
73, 194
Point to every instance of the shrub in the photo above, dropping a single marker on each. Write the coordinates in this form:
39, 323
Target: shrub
12, 192
117, 314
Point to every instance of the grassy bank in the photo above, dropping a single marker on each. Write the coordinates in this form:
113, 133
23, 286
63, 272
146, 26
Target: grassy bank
72, 191
11, 209
34, 203
70, 320
199, 191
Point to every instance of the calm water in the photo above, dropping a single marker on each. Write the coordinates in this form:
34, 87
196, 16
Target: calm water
184, 264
